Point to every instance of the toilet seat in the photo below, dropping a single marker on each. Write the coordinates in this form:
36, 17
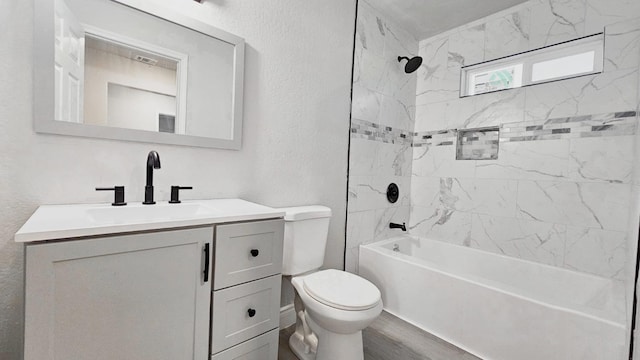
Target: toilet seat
341, 290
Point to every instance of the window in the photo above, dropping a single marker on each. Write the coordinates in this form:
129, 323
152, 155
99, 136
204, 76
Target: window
501, 78
579, 57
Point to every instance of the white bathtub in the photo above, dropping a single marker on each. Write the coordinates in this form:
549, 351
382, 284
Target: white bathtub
497, 307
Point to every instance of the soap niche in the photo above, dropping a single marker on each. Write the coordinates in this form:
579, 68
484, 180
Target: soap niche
478, 144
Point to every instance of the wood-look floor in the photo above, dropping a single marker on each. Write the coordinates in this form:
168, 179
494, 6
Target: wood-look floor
390, 338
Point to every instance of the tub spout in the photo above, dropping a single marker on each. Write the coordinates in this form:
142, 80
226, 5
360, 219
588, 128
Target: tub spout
398, 226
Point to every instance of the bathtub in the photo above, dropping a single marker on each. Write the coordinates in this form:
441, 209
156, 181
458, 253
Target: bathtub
497, 307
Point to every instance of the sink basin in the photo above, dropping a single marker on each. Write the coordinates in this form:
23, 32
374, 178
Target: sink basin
148, 213
52, 222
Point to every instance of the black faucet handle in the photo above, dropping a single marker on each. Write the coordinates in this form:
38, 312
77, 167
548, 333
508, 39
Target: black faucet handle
118, 199
175, 193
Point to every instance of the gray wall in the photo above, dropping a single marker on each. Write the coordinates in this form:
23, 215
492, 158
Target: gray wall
296, 128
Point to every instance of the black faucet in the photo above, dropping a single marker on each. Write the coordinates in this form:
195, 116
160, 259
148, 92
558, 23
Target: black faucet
153, 162
398, 226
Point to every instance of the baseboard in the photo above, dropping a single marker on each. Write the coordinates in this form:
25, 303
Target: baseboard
287, 316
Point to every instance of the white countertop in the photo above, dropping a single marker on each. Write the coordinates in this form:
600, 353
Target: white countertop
51, 222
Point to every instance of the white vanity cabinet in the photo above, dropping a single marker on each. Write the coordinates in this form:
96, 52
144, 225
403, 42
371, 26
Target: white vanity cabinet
197, 280
246, 297
137, 296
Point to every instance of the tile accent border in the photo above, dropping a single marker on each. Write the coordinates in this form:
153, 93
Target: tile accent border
597, 125
361, 129
435, 138
608, 124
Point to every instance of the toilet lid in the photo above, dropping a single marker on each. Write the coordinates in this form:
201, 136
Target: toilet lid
341, 290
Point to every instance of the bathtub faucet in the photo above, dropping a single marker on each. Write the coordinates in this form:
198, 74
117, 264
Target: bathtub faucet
398, 226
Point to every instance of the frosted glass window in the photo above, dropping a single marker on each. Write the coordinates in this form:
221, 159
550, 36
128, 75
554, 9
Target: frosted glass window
579, 57
562, 67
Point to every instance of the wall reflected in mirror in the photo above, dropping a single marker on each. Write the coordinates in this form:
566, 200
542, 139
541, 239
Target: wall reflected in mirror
129, 87
119, 67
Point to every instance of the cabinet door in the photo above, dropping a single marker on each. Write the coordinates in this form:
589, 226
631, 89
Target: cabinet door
140, 296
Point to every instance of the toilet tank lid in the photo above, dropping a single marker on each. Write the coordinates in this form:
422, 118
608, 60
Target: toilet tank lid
306, 212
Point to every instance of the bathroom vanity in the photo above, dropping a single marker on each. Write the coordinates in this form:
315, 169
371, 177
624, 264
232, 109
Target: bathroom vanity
194, 280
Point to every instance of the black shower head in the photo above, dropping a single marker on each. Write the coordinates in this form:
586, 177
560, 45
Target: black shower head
412, 64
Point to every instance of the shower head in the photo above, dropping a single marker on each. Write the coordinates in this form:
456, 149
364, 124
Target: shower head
412, 64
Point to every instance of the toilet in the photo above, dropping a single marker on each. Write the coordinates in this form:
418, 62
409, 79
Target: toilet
332, 306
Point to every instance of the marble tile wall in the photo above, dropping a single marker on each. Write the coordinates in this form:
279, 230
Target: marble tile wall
560, 198
632, 234
383, 113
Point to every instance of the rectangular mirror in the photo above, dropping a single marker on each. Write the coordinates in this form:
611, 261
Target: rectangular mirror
131, 70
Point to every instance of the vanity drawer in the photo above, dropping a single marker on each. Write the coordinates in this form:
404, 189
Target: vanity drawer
247, 251
244, 311
263, 347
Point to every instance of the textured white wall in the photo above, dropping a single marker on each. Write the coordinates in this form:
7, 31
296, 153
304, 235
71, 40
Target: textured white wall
296, 129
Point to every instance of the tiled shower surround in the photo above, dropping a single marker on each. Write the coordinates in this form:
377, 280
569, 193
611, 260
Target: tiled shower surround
560, 191
556, 198
382, 111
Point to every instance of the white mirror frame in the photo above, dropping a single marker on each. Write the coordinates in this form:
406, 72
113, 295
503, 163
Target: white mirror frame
44, 89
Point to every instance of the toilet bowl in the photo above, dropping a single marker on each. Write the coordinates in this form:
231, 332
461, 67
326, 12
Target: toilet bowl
337, 307
332, 306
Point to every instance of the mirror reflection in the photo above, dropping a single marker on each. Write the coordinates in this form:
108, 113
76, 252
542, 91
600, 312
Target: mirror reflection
129, 87
119, 67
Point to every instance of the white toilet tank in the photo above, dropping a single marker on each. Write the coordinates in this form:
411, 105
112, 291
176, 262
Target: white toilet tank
305, 238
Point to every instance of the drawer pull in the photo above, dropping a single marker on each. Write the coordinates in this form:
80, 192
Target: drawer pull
255, 252
252, 312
